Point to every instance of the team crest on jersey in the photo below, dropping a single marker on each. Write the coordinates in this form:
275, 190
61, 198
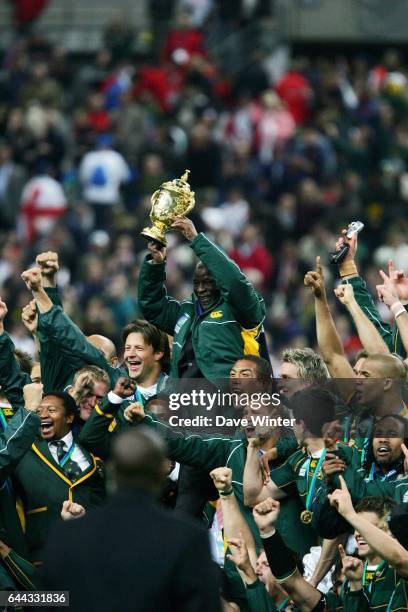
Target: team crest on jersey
216, 314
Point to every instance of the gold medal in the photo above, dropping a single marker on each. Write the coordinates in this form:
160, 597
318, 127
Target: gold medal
306, 517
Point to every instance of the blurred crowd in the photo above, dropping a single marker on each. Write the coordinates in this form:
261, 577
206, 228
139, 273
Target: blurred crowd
282, 155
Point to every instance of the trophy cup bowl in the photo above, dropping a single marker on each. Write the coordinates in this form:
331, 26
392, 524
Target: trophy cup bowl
173, 199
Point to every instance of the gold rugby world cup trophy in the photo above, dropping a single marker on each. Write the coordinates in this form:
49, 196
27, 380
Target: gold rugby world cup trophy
173, 199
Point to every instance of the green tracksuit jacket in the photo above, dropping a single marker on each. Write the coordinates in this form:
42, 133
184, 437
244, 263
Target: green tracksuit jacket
43, 487
68, 344
14, 443
12, 378
388, 592
221, 334
389, 334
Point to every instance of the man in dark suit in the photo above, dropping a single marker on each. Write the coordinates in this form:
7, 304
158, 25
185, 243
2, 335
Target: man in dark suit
131, 555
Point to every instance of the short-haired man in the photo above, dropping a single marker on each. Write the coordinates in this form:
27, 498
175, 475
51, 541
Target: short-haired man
89, 387
56, 468
145, 345
222, 320
301, 367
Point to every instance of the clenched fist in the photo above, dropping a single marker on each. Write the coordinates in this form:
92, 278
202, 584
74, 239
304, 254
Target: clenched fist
134, 413
32, 279
71, 510
29, 317
124, 387
48, 263
32, 396
222, 478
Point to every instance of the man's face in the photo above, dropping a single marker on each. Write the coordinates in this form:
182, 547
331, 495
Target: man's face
290, 381
204, 287
88, 403
262, 569
54, 423
139, 356
244, 378
369, 384
388, 437
363, 549
263, 432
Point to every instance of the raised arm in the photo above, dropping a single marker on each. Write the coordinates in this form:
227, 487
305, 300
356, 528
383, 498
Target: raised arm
387, 547
349, 275
155, 304
393, 292
12, 379
255, 490
281, 559
248, 306
328, 338
369, 336
59, 328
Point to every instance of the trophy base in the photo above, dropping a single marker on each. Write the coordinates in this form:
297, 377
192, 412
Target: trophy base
153, 233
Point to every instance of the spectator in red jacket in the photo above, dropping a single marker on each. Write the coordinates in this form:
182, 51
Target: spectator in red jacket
184, 37
251, 254
296, 92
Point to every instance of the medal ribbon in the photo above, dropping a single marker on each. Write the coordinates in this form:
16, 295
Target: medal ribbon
3, 420
67, 455
310, 494
384, 477
283, 603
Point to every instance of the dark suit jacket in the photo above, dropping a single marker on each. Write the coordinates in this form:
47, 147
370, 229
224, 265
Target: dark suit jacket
132, 556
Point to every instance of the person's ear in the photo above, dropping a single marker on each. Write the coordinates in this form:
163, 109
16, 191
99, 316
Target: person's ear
158, 355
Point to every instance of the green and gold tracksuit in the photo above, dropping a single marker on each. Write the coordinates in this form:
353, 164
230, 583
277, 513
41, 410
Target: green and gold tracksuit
65, 349
384, 590
221, 334
359, 487
43, 487
389, 334
12, 378
15, 440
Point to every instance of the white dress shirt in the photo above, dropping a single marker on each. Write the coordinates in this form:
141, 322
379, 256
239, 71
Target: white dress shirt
77, 455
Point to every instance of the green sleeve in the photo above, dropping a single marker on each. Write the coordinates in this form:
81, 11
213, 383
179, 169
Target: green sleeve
283, 476
356, 601
95, 435
16, 440
72, 342
155, 304
248, 306
54, 295
23, 572
258, 598
12, 378
359, 488
366, 303
286, 447
192, 449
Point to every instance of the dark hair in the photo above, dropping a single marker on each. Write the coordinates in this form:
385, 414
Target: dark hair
153, 336
398, 523
68, 401
263, 366
381, 506
314, 406
25, 361
369, 459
